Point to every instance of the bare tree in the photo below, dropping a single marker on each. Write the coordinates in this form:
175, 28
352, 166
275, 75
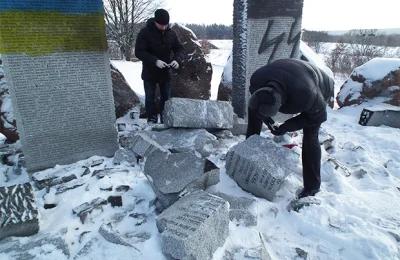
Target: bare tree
124, 18
366, 45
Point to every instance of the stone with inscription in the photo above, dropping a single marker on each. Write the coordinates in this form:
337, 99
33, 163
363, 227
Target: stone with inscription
59, 80
194, 113
19, 215
259, 165
186, 139
194, 227
240, 209
171, 174
382, 114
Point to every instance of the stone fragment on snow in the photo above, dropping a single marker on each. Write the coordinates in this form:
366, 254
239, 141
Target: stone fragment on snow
172, 174
325, 139
112, 236
126, 155
195, 113
107, 172
86, 208
383, 114
186, 139
195, 226
239, 209
115, 201
298, 204
48, 179
239, 126
259, 165
19, 215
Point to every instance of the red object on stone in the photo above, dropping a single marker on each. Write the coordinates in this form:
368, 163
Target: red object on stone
290, 146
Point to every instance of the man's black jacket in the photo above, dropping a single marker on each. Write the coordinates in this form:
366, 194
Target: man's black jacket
153, 44
304, 89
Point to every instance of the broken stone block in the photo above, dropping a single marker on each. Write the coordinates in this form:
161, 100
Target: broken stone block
382, 114
195, 226
171, 174
259, 165
196, 113
19, 215
113, 237
185, 140
86, 208
239, 126
126, 155
239, 209
142, 145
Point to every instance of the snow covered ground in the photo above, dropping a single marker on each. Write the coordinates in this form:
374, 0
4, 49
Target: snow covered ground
358, 218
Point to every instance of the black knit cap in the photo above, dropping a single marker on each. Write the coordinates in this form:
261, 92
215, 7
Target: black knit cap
266, 101
161, 16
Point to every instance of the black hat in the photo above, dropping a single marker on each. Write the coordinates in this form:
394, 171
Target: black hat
266, 101
161, 16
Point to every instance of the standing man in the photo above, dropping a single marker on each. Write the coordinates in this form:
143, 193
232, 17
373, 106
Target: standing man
292, 86
159, 49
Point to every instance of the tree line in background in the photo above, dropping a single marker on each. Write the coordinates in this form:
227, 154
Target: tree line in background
212, 32
353, 48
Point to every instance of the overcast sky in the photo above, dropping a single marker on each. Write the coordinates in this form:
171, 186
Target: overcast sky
317, 14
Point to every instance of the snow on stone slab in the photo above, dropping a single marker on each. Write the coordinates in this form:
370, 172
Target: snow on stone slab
195, 226
19, 215
377, 68
195, 113
259, 165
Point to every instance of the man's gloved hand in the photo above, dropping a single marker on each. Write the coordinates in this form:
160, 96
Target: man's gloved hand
174, 64
161, 64
268, 120
276, 130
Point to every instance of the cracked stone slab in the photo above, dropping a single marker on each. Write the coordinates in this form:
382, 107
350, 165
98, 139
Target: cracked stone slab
19, 215
142, 145
171, 174
196, 113
259, 165
195, 226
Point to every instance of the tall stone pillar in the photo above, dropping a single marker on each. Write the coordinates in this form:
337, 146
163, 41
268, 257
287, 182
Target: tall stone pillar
58, 71
264, 30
